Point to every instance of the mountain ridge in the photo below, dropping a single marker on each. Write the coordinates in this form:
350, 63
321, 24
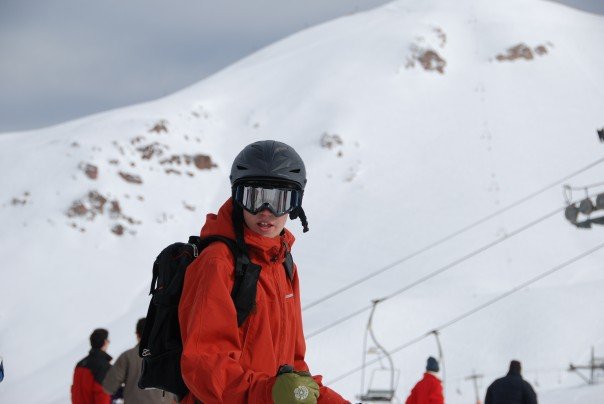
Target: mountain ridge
398, 154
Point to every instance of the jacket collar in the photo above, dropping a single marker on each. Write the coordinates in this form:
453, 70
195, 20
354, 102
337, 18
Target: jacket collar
94, 352
263, 249
433, 374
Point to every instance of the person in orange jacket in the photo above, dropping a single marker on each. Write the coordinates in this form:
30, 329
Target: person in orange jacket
429, 390
263, 360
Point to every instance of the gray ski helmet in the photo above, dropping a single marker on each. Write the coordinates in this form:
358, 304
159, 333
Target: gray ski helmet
269, 160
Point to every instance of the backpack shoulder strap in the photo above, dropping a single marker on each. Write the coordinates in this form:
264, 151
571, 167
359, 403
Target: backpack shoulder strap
200, 243
246, 275
288, 264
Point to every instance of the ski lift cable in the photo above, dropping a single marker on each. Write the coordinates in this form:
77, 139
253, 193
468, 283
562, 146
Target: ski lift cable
475, 252
450, 236
478, 308
438, 271
581, 188
522, 285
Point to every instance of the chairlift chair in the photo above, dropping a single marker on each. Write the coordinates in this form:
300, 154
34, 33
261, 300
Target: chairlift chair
385, 392
377, 392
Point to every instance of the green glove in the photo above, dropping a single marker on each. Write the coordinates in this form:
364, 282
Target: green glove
295, 388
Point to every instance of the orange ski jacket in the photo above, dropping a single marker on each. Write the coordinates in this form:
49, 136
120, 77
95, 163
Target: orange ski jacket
224, 363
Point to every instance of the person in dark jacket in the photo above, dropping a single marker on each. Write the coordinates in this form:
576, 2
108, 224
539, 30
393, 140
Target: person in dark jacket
126, 371
429, 390
89, 372
511, 389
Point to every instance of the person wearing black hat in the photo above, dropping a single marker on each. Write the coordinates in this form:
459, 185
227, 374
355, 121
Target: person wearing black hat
429, 390
511, 389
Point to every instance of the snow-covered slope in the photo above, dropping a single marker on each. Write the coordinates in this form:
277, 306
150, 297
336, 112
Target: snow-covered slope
414, 119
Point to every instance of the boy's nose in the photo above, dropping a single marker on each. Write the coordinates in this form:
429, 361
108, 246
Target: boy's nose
265, 212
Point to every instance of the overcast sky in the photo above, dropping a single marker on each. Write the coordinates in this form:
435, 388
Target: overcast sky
63, 59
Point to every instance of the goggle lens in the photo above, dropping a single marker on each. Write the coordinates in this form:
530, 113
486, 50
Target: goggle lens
278, 200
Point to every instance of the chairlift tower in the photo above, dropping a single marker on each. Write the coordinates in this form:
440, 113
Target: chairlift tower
594, 365
474, 377
377, 393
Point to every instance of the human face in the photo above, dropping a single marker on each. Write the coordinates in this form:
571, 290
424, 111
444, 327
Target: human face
265, 223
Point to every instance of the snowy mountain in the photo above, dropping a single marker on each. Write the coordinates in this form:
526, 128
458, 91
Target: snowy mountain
415, 120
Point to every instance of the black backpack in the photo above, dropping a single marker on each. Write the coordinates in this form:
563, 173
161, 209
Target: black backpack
161, 343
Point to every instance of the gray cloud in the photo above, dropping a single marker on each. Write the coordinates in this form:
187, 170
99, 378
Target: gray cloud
62, 59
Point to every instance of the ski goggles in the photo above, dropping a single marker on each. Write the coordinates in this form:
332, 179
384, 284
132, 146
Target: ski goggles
278, 200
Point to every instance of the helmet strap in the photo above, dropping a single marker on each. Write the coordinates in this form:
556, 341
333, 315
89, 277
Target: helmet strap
299, 213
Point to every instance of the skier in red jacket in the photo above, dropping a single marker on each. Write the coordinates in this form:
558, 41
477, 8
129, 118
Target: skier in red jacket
429, 390
87, 387
224, 363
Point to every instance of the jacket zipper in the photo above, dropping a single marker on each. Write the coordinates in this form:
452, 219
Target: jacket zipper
277, 276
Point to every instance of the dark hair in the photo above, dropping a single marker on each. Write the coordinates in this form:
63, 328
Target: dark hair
98, 338
140, 326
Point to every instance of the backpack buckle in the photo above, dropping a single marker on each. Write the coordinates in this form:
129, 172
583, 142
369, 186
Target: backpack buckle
195, 250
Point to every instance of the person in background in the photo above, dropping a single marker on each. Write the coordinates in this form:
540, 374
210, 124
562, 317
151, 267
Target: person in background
89, 372
429, 390
511, 389
126, 371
